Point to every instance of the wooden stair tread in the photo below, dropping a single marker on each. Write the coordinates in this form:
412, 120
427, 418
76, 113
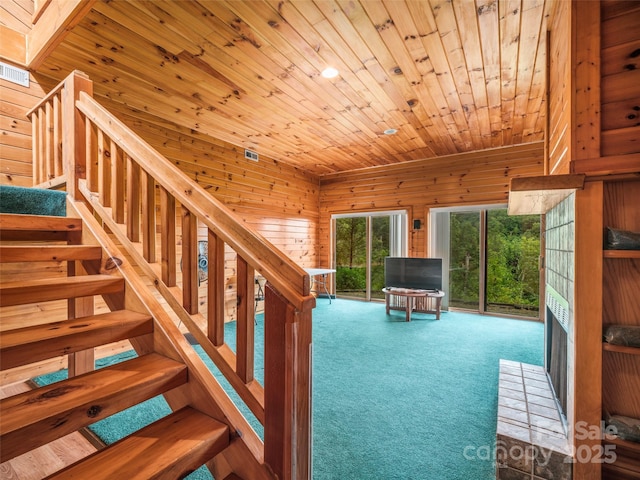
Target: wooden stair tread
39, 342
37, 227
176, 445
39, 416
49, 253
45, 289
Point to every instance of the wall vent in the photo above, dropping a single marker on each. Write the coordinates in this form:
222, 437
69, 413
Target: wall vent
249, 155
14, 74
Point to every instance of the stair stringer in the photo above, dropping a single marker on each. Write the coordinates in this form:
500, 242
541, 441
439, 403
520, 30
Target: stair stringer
245, 454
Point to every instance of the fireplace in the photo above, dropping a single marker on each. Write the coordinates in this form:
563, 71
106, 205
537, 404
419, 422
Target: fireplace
535, 402
556, 325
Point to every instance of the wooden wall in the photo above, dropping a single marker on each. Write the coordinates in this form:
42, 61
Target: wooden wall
559, 81
620, 78
464, 179
278, 201
15, 131
17, 15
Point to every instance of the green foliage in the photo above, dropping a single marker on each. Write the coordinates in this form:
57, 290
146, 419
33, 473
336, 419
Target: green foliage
351, 260
513, 248
351, 241
350, 279
464, 257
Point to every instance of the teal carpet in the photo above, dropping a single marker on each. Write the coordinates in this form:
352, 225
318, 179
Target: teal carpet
391, 399
32, 201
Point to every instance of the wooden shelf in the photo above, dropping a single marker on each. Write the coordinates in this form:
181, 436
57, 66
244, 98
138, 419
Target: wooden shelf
620, 349
628, 445
621, 253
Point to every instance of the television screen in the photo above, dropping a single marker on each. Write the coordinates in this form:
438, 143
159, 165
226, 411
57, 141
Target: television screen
405, 272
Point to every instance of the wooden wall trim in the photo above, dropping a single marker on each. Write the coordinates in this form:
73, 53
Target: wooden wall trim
585, 43
14, 46
465, 179
55, 22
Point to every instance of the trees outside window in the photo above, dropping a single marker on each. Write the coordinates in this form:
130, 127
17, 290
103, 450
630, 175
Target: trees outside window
510, 277
361, 245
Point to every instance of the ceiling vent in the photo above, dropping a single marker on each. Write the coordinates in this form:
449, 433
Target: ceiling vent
14, 74
249, 155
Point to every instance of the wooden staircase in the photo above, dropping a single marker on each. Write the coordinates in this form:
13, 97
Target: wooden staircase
169, 448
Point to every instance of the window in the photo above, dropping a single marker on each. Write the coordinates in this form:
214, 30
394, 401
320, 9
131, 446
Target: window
490, 259
361, 243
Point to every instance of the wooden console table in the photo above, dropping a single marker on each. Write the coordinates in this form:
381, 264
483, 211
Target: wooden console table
413, 300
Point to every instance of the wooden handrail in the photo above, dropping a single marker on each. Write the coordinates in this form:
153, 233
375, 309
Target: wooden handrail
286, 276
57, 89
117, 175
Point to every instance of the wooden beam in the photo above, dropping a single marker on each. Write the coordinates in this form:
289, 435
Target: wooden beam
586, 349
55, 22
215, 289
14, 46
585, 22
287, 387
245, 331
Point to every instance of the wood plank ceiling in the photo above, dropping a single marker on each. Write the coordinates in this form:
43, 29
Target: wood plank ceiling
449, 76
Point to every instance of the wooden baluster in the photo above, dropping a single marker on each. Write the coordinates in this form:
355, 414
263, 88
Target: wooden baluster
168, 237
148, 218
81, 361
91, 142
133, 200
35, 147
104, 169
48, 142
74, 131
117, 183
189, 261
287, 387
245, 327
42, 145
215, 289
57, 136
103, 193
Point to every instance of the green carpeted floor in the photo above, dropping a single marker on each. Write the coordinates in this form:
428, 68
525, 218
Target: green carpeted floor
396, 400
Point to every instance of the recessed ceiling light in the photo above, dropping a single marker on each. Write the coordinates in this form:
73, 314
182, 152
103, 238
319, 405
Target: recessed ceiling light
390, 131
329, 72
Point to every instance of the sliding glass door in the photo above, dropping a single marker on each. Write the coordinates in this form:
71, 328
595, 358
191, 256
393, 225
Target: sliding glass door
513, 275
361, 243
464, 260
490, 259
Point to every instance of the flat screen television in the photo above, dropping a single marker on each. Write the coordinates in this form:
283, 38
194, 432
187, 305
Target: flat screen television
405, 272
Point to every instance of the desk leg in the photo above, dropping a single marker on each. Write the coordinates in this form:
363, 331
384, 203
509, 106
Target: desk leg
386, 301
324, 284
438, 302
409, 307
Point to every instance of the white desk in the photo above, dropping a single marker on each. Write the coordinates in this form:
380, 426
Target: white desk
319, 279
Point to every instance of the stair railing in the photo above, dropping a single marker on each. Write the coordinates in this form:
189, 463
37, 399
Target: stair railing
117, 174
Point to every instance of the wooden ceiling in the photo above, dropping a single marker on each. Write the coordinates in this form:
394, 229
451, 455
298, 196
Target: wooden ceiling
449, 76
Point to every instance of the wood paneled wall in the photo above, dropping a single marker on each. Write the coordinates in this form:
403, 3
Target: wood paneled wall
276, 200
559, 80
15, 131
17, 15
464, 179
620, 70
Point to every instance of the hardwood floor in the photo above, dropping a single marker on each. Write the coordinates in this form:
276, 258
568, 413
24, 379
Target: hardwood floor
47, 459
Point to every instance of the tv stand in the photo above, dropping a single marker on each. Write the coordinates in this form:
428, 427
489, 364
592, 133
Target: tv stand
413, 300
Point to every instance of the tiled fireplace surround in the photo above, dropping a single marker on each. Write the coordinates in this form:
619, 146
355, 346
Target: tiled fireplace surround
531, 436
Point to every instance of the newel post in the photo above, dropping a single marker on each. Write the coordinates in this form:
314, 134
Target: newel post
74, 130
287, 388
